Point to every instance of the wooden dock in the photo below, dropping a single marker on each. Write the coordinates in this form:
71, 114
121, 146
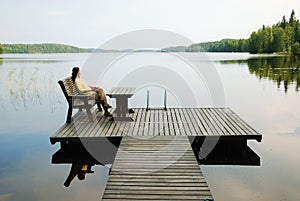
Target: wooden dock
156, 168
201, 122
158, 157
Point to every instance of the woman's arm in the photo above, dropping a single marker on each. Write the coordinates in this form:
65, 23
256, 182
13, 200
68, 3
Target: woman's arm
83, 86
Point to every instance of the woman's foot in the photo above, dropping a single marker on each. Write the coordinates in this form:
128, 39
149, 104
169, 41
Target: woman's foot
107, 114
106, 105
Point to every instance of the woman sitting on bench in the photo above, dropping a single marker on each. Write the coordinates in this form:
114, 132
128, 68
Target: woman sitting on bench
85, 88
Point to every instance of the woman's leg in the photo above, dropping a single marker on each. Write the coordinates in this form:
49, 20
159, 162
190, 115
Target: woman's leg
101, 97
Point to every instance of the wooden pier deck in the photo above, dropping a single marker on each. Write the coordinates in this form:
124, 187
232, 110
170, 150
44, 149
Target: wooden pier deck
156, 168
200, 122
159, 154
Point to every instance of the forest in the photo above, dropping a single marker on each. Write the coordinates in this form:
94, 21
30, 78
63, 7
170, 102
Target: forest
282, 37
39, 48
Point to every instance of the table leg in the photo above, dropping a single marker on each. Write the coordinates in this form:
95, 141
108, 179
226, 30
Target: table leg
122, 109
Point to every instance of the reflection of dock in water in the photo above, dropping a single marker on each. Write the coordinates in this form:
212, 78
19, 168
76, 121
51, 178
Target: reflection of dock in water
152, 155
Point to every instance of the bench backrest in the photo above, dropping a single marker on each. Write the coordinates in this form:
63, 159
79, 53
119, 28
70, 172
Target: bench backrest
68, 87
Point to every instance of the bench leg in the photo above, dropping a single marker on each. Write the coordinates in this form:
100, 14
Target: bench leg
69, 115
89, 113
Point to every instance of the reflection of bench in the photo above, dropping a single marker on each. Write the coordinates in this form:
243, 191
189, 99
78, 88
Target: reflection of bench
121, 94
76, 100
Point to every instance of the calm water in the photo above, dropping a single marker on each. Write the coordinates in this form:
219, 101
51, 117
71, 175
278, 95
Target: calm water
263, 90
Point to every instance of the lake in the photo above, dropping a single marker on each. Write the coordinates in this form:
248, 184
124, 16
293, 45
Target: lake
262, 89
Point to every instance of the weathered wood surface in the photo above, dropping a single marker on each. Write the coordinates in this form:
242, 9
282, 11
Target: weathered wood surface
124, 91
156, 168
207, 122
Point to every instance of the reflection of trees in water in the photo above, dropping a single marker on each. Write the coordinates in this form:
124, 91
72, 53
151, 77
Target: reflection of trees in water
282, 70
29, 88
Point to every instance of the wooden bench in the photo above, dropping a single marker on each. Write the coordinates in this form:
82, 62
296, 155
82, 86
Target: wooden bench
76, 100
121, 94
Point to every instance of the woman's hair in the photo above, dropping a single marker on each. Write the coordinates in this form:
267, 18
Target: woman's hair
74, 73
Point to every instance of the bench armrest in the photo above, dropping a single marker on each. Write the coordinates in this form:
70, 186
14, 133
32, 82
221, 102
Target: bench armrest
80, 96
83, 98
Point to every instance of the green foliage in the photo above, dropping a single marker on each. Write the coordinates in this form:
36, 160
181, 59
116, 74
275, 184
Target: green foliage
1, 49
296, 49
225, 45
41, 48
175, 49
278, 38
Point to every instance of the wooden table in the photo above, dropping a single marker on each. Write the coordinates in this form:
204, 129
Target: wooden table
121, 94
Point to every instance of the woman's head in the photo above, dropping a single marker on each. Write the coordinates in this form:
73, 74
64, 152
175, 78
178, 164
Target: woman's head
75, 71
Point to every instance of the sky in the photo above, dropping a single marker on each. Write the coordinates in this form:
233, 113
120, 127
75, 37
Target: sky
90, 23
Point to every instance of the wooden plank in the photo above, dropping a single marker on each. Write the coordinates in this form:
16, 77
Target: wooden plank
172, 119
142, 124
233, 123
137, 124
79, 123
242, 122
200, 123
156, 169
92, 131
112, 127
85, 130
65, 127
151, 123
179, 123
189, 122
156, 122
166, 125
212, 123
130, 128
121, 91
200, 130
217, 124
170, 123
146, 124
207, 123
173, 122
223, 122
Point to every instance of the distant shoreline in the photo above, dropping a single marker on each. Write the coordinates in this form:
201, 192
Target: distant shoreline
54, 48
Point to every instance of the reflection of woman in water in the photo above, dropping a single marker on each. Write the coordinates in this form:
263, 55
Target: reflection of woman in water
85, 88
77, 169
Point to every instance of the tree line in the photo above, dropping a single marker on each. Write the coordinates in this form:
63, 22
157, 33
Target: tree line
39, 48
282, 37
